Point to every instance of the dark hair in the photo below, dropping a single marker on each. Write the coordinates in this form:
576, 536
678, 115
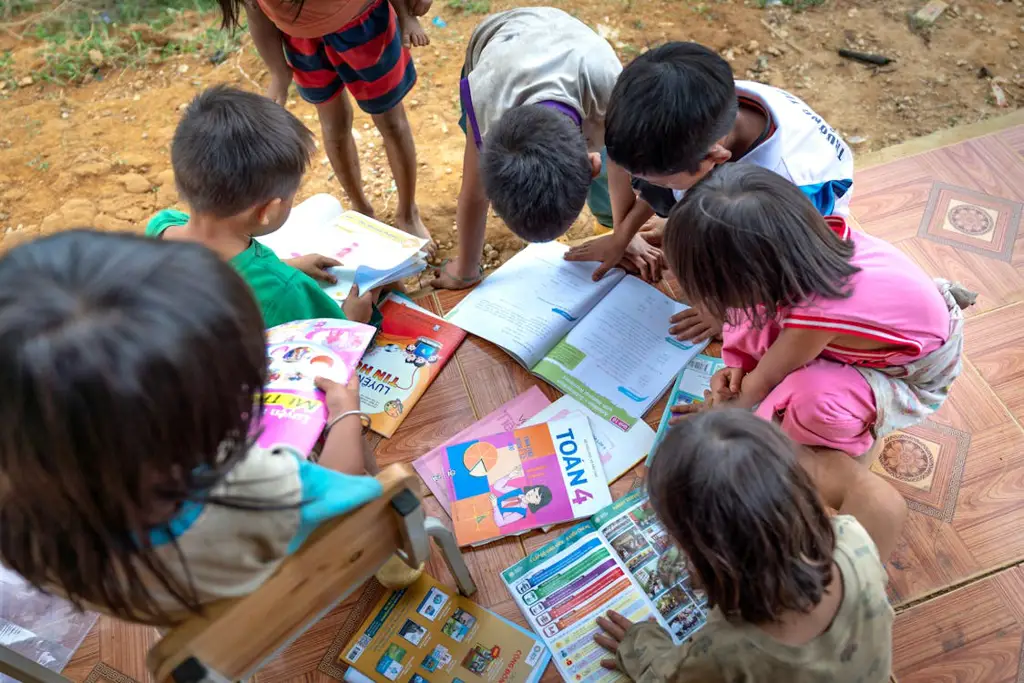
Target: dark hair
132, 371
536, 171
667, 109
545, 496
231, 11
729, 489
235, 149
746, 238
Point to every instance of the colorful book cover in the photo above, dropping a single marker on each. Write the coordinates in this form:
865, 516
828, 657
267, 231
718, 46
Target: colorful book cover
689, 388
428, 633
408, 353
294, 413
504, 484
431, 466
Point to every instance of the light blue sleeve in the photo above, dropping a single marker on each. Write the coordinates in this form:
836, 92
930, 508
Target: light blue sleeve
327, 494
824, 195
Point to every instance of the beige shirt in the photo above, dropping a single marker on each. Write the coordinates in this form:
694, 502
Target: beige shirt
856, 648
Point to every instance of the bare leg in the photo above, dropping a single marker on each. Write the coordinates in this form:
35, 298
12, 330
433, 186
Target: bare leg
413, 34
336, 126
397, 134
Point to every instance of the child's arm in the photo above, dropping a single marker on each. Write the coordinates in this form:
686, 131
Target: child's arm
793, 349
267, 39
345, 448
471, 223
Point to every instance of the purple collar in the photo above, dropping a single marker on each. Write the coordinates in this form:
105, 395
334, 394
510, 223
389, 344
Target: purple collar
473, 127
565, 109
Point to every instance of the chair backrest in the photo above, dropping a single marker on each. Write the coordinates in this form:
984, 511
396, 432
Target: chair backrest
233, 638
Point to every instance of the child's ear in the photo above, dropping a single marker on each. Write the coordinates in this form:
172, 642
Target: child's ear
595, 164
267, 213
718, 154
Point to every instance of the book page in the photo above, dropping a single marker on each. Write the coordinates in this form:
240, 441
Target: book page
620, 357
531, 302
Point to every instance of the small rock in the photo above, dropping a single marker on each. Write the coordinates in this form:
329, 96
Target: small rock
25, 81
64, 114
773, 51
90, 169
96, 57
183, 68
856, 140
753, 46
1013, 44
999, 96
133, 160
145, 136
164, 177
78, 212
929, 14
135, 183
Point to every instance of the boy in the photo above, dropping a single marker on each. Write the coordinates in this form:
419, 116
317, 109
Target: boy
238, 159
331, 45
676, 113
534, 90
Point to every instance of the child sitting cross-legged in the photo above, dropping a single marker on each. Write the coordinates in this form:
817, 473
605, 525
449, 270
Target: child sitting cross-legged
131, 481
835, 334
238, 160
796, 594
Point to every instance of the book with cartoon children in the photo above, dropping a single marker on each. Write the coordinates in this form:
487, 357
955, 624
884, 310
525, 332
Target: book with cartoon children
620, 559
294, 413
371, 253
689, 388
427, 633
410, 350
508, 483
604, 343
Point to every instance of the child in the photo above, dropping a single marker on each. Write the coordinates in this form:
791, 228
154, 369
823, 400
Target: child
796, 595
131, 482
675, 114
534, 90
835, 333
331, 45
238, 159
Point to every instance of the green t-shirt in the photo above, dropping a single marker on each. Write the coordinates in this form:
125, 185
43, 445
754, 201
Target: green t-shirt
284, 293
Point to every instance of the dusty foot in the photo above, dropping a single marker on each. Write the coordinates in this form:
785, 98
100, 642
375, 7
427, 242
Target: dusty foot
413, 34
414, 226
364, 207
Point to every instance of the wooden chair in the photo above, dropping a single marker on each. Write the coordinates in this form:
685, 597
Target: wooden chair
234, 638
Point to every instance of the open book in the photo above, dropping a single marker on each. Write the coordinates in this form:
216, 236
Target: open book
427, 633
604, 343
690, 386
621, 559
371, 253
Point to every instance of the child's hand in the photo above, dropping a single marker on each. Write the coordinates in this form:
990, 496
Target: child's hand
339, 398
614, 627
315, 266
608, 249
681, 411
278, 88
693, 326
359, 308
726, 384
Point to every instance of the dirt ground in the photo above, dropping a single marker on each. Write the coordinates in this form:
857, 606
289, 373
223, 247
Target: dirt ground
97, 153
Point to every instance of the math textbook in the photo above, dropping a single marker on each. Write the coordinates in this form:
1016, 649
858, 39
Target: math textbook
294, 413
410, 350
689, 388
428, 633
508, 483
620, 559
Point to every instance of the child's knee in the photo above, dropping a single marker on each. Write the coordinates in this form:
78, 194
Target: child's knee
393, 121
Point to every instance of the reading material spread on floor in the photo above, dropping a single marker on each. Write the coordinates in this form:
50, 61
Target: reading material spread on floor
690, 386
294, 413
621, 559
504, 484
604, 343
404, 358
428, 633
371, 253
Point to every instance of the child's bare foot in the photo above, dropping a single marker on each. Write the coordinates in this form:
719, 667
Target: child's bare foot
364, 207
414, 226
413, 34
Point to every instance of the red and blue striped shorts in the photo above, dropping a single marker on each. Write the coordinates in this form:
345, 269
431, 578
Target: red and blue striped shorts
365, 55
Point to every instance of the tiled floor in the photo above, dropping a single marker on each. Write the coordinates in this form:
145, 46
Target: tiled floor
954, 578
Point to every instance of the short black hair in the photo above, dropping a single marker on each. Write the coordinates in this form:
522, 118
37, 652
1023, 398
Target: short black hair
667, 109
745, 238
235, 149
731, 492
536, 171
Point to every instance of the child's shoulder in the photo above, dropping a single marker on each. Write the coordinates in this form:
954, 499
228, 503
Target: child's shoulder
167, 218
283, 292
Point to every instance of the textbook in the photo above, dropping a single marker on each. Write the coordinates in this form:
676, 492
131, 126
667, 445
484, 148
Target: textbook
410, 350
507, 417
372, 253
604, 343
428, 633
294, 413
620, 559
508, 483
689, 388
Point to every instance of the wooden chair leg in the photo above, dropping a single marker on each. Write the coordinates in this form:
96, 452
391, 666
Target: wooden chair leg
445, 540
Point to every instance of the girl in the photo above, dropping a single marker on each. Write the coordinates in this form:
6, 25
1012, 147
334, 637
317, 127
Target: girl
796, 595
130, 480
834, 333
512, 498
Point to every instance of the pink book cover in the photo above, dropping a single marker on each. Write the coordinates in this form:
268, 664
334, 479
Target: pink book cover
431, 466
294, 413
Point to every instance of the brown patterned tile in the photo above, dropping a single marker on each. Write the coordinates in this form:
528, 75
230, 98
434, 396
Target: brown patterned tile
103, 673
971, 221
122, 643
878, 179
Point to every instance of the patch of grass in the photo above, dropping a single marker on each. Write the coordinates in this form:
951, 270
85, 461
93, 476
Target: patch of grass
6, 70
38, 163
471, 6
797, 5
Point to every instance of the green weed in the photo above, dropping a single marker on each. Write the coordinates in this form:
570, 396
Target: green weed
798, 5
471, 6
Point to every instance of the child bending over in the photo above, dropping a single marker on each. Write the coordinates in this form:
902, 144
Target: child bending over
796, 594
836, 334
238, 160
131, 482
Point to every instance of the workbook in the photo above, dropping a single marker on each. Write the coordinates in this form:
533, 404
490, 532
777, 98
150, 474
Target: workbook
428, 633
505, 484
371, 253
294, 413
604, 343
689, 388
621, 559
410, 350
